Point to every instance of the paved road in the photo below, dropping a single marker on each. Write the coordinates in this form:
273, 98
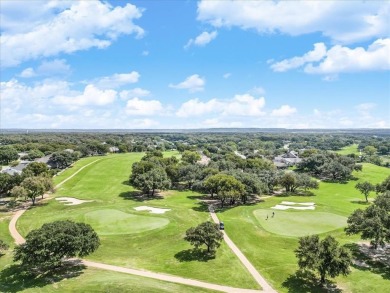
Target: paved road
255, 274
163, 277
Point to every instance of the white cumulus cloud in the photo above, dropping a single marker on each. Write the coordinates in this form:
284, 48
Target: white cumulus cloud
342, 21
240, 105
193, 83
80, 25
134, 93
284, 110
117, 80
140, 107
202, 40
91, 96
339, 59
195, 107
317, 54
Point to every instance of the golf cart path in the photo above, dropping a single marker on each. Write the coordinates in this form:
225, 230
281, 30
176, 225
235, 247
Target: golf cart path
158, 276
12, 224
255, 274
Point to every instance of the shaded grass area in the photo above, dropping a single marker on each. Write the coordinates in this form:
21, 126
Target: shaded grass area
105, 182
273, 255
298, 223
79, 279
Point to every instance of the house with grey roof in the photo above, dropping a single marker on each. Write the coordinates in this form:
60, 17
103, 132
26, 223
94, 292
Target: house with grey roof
288, 159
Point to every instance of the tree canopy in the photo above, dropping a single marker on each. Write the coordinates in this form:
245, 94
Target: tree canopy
365, 188
373, 223
207, 234
325, 256
47, 247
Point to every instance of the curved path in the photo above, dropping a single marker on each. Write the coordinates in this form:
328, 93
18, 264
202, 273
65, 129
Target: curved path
159, 276
255, 274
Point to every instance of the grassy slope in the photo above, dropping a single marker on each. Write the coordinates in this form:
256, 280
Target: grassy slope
159, 250
273, 254
351, 149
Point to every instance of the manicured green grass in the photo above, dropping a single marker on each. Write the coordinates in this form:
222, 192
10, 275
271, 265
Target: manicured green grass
109, 222
298, 223
161, 249
6, 237
351, 149
88, 280
273, 254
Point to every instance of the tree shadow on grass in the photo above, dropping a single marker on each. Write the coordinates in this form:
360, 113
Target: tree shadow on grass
194, 255
307, 282
138, 196
16, 278
362, 202
377, 263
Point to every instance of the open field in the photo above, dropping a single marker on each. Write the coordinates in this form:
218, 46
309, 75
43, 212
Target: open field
143, 240
351, 149
273, 255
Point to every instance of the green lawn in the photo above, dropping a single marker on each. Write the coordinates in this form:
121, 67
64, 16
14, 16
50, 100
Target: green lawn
273, 254
137, 239
111, 222
298, 223
351, 149
88, 280
155, 242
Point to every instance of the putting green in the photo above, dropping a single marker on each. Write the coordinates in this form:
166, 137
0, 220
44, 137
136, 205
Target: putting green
110, 222
299, 223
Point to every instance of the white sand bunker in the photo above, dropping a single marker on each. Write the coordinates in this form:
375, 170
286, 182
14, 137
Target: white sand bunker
71, 201
152, 210
285, 205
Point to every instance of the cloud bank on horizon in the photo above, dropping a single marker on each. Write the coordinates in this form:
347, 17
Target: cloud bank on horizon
105, 64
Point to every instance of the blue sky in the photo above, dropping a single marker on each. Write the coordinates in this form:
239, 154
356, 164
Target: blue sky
195, 64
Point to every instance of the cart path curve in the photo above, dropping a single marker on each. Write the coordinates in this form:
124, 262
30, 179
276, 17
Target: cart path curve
159, 276
255, 274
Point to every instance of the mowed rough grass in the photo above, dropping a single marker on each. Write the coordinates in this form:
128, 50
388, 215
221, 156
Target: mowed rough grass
273, 254
110, 221
298, 223
350, 149
153, 243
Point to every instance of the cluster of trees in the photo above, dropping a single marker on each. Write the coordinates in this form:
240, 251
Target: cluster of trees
64, 159
34, 181
46, 248
373, 223
329, 166
229, 178
8, 154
